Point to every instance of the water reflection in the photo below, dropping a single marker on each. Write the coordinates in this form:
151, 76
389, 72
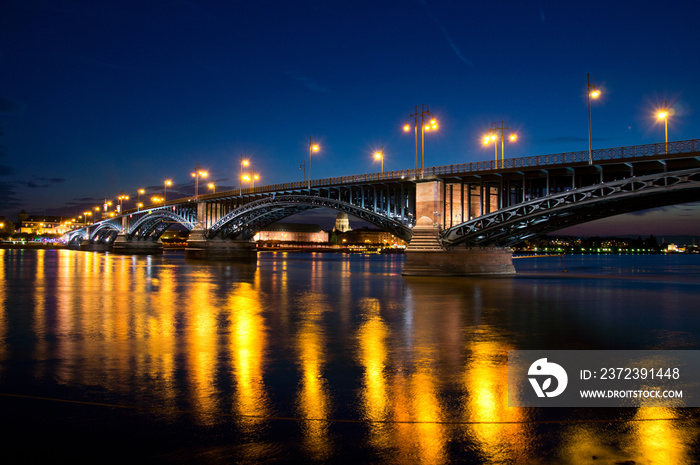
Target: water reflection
313, 399
247, 352
418, 367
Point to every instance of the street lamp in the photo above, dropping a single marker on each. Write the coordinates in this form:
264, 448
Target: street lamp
157, 199
593, 92
251, 178
313, 147
663, 114
244, 162
121, 198
167, 183
379, 155
493, 136
212, 187
198, 172
140, 192
431, 126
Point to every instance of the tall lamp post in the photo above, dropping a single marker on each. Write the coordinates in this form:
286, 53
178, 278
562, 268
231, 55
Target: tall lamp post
313, 147
212, 187
592, 93
663, 114
251, 178
431, 126
379, 155
244, 162
196, 175
167, 183
121, 198
493, 136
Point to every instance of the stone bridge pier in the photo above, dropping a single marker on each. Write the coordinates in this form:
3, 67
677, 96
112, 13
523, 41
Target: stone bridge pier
200, 246
123, 245
426, 256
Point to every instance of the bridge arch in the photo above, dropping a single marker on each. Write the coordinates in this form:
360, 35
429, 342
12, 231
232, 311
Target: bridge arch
251, 217
104, 232
75, 236
152, 226
540, 216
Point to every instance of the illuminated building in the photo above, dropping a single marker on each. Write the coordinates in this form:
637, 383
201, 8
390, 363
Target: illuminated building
292, 232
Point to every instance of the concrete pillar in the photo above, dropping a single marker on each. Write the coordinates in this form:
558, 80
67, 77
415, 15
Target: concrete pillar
135, 247
425, 255
201, 248
429, 199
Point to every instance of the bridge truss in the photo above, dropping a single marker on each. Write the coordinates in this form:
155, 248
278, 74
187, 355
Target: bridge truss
537, 217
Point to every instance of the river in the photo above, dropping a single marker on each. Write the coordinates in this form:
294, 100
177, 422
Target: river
326, 358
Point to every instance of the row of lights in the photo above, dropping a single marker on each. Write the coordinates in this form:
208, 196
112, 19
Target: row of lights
495, 133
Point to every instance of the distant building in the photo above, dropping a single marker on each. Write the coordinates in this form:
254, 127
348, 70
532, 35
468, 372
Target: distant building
44, 224
367, 236
342, 223
292, 232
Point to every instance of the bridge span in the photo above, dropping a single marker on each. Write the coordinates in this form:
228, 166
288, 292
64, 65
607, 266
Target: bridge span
458, 219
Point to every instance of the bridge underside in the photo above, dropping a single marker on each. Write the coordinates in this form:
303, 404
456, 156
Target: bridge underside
245, 221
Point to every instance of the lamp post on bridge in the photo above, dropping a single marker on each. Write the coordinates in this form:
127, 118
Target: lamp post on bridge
212, 187
244, 162
431, 126
379, 155
313, 147
198, 171
166, 184
593, 92
663, 114
251, 177
493, 135
121, 198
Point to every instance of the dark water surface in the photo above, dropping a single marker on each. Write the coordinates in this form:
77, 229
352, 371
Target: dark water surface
325, 358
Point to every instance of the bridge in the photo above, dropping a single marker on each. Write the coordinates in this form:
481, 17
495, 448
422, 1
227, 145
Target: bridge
458, 219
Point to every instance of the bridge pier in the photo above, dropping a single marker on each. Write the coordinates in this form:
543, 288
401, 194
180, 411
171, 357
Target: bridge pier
90, 246
135, 247
201, 248
425, 256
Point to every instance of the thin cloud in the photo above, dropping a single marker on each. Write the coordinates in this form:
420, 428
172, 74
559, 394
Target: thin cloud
43, 183
443, 29
306, 81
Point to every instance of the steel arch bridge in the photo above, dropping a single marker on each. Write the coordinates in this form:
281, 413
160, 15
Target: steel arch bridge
502, 203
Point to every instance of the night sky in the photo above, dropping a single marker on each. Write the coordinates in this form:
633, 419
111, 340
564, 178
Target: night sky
99, 98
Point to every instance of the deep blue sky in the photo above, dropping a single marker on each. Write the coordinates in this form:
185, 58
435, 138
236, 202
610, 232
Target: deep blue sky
97, 98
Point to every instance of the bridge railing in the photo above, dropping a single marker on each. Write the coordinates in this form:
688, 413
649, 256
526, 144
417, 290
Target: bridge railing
636, 151
619, 153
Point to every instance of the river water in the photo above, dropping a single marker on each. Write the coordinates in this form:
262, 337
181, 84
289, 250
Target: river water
326, 358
